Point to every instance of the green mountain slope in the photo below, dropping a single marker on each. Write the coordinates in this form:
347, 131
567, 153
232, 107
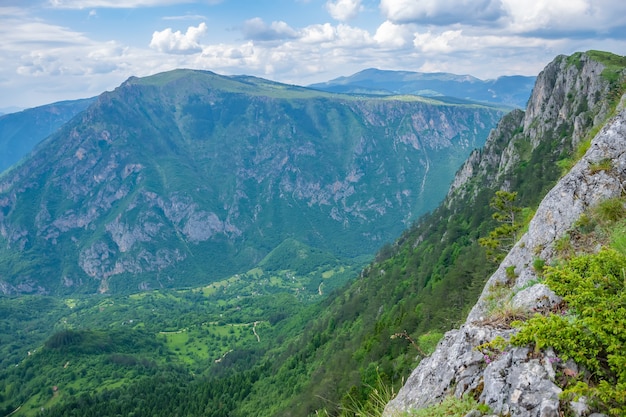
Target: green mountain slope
186, 177
21, 131
580, 215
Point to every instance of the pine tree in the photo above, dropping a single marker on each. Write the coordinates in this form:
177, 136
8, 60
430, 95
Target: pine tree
502, 238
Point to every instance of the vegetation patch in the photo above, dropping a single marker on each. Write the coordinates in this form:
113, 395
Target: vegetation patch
614, 64
593, 331
600, 166
610, 210
450, 407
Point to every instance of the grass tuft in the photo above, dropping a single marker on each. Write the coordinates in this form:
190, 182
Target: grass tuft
451, 407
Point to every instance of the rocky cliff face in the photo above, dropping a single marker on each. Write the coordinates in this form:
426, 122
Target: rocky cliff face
188, 176
516, 383
569, 98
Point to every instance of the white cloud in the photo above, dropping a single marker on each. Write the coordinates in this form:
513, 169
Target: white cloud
352, 37
16, 33
317, 48
455, 41
42, 62
550, 17
318, 33
79, 60
343, 9
186, 17
257, 29
445, 42
566, 16
391, 35
172, 42
442, 12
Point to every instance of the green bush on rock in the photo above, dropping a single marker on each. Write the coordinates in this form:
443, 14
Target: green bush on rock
593, 330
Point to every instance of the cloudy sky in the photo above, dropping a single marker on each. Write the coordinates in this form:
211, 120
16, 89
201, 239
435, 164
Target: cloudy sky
54, 50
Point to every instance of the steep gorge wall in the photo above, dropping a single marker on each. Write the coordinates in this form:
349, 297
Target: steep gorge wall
569, 98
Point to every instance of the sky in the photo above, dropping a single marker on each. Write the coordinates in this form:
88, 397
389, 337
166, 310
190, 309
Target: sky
54, 50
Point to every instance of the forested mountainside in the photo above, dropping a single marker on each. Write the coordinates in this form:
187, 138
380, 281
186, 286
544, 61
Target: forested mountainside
21, 131
429, 279
511, 91
160, 353
188, 177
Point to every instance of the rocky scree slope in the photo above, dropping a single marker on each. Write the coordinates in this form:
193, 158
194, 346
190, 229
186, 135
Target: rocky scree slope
187, 176
571, 96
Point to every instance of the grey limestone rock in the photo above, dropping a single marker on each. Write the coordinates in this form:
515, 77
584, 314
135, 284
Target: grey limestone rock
538, 296
455, 367
520, 386
579, 190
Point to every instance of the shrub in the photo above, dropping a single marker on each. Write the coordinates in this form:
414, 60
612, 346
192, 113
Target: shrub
584, 146
539, 265
503, 237
618, 239
593, 333
563, 246
379, 395
585, 223
510, 272
428, 341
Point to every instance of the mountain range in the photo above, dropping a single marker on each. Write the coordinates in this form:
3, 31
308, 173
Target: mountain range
506, 90
21, 130
187, 177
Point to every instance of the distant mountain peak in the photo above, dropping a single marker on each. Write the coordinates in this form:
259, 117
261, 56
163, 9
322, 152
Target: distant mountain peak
509, 91
20, 132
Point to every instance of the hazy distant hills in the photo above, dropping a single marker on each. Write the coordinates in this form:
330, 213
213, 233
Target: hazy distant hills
187, 176
507, 90
21, 131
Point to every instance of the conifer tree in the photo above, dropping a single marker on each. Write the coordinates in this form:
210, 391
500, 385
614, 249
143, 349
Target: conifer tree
502, 238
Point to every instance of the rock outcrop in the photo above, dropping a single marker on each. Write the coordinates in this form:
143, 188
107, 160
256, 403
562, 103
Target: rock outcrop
514, 382
569, 98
